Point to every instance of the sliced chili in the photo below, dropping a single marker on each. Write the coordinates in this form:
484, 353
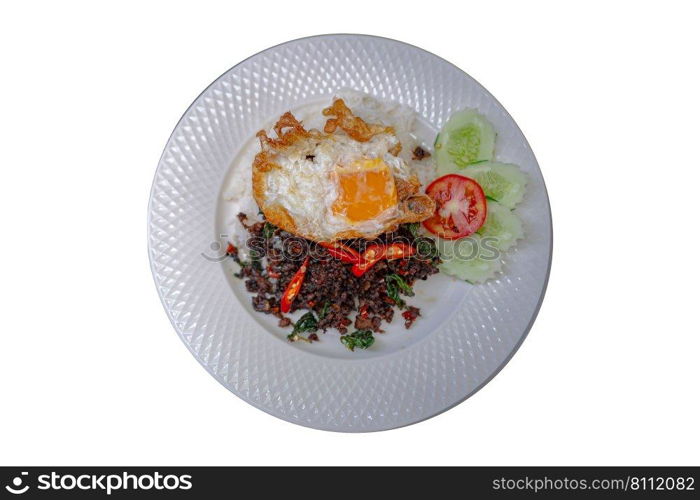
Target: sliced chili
399, 251
375, 253
342, 252
372, 255
294, 287
363, 311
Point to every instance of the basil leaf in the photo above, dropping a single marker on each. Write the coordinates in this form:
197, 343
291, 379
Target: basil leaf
268, 230
413, 228
426, 249
256, 260
395, 285
324, 310
307, 323
360, 339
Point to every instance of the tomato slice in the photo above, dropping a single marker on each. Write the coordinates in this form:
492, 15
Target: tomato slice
460, 207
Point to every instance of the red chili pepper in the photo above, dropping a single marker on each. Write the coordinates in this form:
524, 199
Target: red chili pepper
293, 288
399, 251
402, 268
230, 249
342, 252
363, 310
410, 316
375, 253
372, 255
344, 256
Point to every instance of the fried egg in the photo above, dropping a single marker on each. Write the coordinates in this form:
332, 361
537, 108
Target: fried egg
346, 181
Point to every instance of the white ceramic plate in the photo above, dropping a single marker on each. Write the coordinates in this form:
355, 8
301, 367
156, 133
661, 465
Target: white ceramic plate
467, 332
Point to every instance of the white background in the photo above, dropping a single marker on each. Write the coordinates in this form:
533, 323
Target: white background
91, 371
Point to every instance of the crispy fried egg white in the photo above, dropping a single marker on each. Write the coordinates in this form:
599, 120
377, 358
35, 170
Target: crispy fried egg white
344, 182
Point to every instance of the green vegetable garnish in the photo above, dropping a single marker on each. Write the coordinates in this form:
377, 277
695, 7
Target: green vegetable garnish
268, 230
413, 228
307, 323
256, 260
426, 249
477, 162
395, 284
502, 226
362, 339
469, 259
464, 144
467, 138
324, 310
502, 182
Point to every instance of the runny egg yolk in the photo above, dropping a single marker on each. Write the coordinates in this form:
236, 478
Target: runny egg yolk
366, 189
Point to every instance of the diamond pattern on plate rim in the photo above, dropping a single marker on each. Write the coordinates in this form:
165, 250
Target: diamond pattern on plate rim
356, 395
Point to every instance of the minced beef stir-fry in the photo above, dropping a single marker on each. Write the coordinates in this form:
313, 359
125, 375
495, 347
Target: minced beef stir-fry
324, 281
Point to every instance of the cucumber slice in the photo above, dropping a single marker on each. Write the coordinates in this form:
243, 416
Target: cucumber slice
467, 137
502, 225
503, 182
469, 259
